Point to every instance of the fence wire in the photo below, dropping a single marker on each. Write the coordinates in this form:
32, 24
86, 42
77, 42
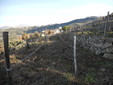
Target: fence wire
65, 42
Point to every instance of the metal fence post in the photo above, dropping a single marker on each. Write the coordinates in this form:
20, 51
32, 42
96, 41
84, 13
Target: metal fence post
75, 62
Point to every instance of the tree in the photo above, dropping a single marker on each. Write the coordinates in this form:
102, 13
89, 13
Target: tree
66, 28
36, 34
25, 37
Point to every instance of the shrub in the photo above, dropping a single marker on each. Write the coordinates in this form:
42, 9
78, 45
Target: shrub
89, 78
66, 28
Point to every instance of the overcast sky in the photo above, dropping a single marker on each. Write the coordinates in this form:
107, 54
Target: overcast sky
43, 12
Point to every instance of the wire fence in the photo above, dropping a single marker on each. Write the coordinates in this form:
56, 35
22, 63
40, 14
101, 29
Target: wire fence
65, 42
15, 52
45, 42
28, 56
31, 53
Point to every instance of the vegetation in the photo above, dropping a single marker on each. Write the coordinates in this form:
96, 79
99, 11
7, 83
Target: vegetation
52, 64
89, 78
65, 28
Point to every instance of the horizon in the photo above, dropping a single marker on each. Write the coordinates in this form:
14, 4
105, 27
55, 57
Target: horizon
40, 12
24, 25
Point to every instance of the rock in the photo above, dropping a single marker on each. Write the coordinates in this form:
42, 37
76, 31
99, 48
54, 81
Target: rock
106, 45
109, 50
110, 39
108, 55
103, 46
103, 51
103, 69
98, 52
98, 45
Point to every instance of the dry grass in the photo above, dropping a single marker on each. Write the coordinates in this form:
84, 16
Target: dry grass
53, 65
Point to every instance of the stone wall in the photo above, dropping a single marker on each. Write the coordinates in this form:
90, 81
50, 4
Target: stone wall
97, 44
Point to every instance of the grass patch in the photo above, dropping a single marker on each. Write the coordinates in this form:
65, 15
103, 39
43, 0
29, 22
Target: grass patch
89, 78
109, 34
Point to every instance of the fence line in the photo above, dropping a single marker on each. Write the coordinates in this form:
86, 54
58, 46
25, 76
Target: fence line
20, 61
45, 41
41, 46
65, 42
46, 38
34, 51
17, 51
74, 52
31, 53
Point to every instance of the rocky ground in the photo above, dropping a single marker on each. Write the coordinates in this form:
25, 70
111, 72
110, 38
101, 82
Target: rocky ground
53, 64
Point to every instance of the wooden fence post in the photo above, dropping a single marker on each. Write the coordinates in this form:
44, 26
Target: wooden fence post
75, 62
27, 45
7, 59
46, 39
106, 24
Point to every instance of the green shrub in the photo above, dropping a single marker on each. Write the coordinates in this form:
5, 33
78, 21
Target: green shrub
109, 34
66, 28
89, 78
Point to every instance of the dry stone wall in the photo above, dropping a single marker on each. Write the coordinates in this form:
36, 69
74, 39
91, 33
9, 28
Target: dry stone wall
97, 44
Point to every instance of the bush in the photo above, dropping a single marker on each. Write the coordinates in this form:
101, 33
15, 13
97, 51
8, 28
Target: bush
89, 78
66, 28
109, 34
25, 36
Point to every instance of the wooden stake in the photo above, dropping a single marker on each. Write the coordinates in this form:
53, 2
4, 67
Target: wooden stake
75, 62
27, 45
106, 24
7, 59
46, 39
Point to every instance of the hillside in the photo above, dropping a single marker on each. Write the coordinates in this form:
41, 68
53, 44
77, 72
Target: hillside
100, 24
75, 22
19, 30
53, 64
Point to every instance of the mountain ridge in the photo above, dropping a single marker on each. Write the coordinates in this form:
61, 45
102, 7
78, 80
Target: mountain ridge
54, 26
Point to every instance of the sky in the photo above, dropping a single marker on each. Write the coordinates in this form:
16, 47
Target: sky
44, 12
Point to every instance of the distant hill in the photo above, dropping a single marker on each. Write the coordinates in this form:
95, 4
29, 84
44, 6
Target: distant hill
54, 26
4, 27
18, 30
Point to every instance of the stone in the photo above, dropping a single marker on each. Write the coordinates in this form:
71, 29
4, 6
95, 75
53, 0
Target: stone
98, 52
103, 69
103, 46
98, 45
110, 39
106, 45
103, 51
109, 50
108, 55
